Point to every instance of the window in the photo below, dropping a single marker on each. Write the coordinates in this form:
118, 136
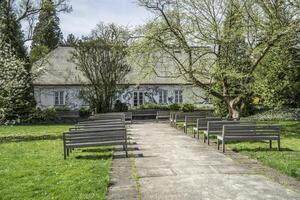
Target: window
59, 98
138, 98
163, 96
178, 96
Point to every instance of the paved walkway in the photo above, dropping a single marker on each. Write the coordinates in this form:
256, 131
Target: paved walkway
176, 166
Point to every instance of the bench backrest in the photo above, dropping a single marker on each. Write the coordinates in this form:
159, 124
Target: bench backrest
163, 113
108, 116
98, 130
250, 130
172, 115
203, 113
103, 136
217, 126
95, 126
99, 121
193, 119
202, 122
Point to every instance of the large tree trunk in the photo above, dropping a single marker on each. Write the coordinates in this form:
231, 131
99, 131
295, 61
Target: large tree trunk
235, 107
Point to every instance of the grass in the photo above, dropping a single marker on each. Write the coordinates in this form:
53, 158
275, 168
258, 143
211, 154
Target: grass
287, 160
33, 130
36, 170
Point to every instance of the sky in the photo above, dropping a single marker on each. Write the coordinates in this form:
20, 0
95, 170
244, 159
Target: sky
87, 13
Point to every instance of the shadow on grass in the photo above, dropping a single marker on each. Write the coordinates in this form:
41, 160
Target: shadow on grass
261, 149
95, 157
100, 150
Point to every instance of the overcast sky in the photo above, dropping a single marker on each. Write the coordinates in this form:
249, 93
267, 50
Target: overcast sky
87, 13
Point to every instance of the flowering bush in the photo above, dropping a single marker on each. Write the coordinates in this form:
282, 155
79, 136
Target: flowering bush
14, 85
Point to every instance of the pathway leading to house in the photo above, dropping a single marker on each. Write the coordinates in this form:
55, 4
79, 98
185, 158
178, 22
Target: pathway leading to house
176, 166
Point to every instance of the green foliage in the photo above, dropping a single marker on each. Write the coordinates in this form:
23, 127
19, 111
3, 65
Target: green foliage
38, 52
174, 107
278, 77
84, 112
14, 86
10, 30
152, 106
277, 114
38, 115
188, 107
120, 107
71, 40
47, 32
37, 170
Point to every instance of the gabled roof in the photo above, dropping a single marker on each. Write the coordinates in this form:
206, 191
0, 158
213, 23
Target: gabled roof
60, 70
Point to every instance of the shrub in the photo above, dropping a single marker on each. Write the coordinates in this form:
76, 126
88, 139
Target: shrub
276, 114
188, 107
174, 107
120, 107
62, 109
38, 115
84, 112
152, 106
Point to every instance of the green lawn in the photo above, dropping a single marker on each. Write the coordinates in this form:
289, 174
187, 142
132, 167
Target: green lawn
33, 130
287, 160
37, 170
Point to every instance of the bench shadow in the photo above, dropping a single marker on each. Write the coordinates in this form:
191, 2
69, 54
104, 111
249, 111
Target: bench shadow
93, 157
262, 149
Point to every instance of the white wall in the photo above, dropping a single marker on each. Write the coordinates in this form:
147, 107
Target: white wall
44, 95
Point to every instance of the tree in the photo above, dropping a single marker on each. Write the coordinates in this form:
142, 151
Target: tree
221, 42
28, 10
102, 60
10, 30
47, 33
14, 85
71, 40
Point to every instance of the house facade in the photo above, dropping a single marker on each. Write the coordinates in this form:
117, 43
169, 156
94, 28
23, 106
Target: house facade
61, 81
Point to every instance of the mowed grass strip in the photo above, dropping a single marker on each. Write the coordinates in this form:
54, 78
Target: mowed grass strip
37, 170
33, 130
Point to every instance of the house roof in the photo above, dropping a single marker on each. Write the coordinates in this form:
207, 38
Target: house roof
58, 69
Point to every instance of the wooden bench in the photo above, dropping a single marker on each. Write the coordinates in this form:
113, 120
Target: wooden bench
162, 114
201, 124
172, 117
192, 121
215, 128
144, 114
93, 138
180, 117
249, 133
108, 116
97, 126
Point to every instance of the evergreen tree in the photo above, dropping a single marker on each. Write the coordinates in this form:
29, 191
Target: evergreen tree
71, 40
10, 30
47, 34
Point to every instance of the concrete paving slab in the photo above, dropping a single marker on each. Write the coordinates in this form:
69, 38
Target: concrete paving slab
177, 166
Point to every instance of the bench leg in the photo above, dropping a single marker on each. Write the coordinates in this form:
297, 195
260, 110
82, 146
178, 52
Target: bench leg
278, 141
68, 151
270, 144
207, 140
204, 138
65, 153
223, 146
218, 144
198, 134
194, 133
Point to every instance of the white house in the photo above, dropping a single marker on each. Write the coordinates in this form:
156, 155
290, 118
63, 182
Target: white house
61, 82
